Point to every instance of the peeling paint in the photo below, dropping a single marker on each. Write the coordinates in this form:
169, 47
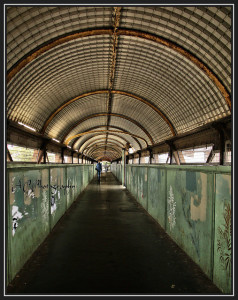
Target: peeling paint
16, 216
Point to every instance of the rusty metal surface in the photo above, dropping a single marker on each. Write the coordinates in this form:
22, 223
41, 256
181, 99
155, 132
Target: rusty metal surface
172, 63
129, 139
100, 131
114, 115
126, 32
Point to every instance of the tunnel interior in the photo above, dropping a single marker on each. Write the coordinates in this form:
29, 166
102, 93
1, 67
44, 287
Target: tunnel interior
146, 89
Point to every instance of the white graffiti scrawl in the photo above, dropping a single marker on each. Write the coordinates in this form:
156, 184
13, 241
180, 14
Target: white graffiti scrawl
171, 209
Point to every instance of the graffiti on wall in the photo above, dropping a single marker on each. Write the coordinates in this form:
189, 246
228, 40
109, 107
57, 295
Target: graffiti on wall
224, 240
16, 216
30, 186
171, 209
30, 189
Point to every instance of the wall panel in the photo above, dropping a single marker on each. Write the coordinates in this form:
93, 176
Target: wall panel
37, 197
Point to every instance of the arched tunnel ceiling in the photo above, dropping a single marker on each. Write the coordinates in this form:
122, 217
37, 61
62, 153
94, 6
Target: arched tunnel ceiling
117, 75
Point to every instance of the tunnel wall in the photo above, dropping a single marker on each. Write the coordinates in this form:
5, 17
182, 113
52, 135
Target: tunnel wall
193, 205
116, 169
38, 196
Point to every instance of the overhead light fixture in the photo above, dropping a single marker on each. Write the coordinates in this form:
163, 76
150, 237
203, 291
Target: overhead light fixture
69, 147
56, 140
27, 126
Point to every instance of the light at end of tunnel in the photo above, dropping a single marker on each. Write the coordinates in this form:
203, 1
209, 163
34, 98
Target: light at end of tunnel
27, 126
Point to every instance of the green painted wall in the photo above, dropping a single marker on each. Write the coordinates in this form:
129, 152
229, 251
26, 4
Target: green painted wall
58, 194
193, 205
116, 170
38, 196
189, 214
157, 194
142, 191
222, 237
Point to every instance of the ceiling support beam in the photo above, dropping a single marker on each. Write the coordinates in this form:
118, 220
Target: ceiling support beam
101, 145
220, 130
114, 115
173, 153
100, 131
102, 142
122, 138
116, 92
207, 135
126, 32
151, 155
139, 159
116, 22
210, 156
42, 152
116, 151
9, 157
62, 154
116, 127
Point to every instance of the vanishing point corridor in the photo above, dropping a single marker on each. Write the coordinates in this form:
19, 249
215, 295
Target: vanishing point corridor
107, 244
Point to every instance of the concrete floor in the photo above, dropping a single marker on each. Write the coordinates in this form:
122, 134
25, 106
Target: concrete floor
107, 244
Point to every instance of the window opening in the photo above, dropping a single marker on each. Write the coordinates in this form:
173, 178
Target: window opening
23, 154
195, 156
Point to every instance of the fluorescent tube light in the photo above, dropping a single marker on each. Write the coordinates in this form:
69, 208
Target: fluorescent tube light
56, 140
27, 126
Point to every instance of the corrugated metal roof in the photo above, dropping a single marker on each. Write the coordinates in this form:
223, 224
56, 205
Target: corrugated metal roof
151, 72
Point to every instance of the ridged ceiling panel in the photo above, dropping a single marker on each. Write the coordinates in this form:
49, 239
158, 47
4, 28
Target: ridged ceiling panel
142, 113
64, 73
57, 54
30, 27
90, 124
129, 126
100, 138
169, 80
204, 31
120, 137
104, 145
103, 148
75, 112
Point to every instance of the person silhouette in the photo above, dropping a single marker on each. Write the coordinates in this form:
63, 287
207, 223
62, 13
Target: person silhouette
99, 170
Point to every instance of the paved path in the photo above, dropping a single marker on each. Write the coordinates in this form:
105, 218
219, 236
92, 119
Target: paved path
107, 244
